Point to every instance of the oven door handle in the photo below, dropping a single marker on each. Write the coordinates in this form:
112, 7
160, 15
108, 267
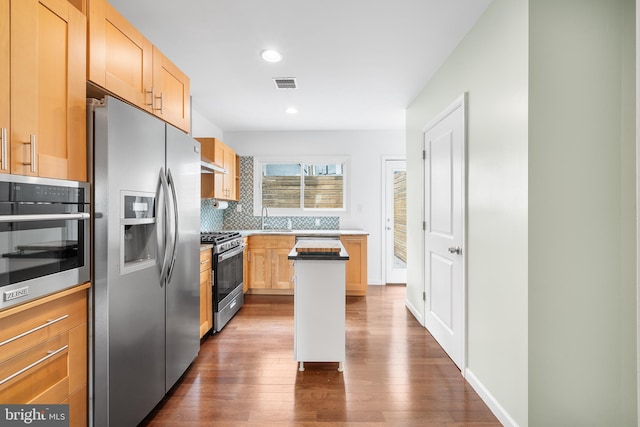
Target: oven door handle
233, 252
45, 217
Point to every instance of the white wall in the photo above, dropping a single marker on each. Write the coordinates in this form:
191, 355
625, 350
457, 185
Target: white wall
365, 150
491, 65
201, 127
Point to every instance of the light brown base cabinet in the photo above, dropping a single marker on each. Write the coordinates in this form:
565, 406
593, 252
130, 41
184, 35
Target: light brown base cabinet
43, 352
271, 272
206, 302
245, 265
269, 268
356, 267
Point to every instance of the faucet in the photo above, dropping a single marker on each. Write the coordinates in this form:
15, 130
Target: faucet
264, 215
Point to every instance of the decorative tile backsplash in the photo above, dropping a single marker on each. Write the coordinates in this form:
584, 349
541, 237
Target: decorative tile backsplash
230, 219
210, 219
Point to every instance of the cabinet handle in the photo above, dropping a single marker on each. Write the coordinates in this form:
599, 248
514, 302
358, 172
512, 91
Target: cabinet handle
32, 142
49, 355
3, 135
37, 328
161, 109
152, 93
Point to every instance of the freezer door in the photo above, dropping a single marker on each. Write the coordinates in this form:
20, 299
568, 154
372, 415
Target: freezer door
183, 287
129, 300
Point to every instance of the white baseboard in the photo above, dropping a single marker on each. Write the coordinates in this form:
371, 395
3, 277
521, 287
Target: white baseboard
495, 407
416, 313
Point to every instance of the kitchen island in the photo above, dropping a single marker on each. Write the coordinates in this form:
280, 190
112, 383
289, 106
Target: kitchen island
319, 301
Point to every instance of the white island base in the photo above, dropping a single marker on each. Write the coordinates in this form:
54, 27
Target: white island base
319, 311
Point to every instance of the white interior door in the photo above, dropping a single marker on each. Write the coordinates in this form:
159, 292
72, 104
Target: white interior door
444, 145
395, 226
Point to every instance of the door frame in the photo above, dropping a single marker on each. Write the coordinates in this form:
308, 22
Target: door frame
383, 210
461, 101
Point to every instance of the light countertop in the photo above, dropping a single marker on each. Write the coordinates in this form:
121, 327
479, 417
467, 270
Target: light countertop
302, 232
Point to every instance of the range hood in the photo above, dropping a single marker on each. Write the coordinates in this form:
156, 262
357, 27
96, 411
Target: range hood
210, 167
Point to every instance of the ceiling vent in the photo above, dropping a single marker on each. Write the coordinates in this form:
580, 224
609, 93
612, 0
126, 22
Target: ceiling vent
285, 82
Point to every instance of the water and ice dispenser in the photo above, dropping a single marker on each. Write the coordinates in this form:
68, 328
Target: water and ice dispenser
138, 231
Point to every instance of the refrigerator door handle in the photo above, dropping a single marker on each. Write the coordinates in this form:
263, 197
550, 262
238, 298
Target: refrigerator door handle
176, 221
165, 259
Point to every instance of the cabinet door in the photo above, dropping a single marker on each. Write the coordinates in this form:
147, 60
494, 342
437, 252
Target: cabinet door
282, 275
207, 179
219, 157
48, 70
259, 268
120, 57
5, 70
230, 177
245, 266
206, 311
356, 267
171, 92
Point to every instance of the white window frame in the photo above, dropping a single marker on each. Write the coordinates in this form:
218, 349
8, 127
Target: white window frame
257, 185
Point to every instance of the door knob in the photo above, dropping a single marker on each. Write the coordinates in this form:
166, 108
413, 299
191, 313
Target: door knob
455, 250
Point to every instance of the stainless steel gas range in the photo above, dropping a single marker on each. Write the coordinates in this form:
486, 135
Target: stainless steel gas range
228, 278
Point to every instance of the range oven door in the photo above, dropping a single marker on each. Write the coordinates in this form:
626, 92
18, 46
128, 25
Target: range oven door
227, 275
44, 248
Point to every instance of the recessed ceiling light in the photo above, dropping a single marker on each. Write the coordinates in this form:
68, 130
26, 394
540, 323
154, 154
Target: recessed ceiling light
291, 110
271, 55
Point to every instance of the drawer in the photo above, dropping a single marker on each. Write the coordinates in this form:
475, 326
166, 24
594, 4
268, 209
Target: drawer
205, 260
38, 375
22, 328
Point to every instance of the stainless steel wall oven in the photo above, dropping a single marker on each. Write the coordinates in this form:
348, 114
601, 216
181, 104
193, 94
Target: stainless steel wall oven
44, 237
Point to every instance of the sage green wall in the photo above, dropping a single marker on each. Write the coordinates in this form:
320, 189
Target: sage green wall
582, 334
491, 65
551, 257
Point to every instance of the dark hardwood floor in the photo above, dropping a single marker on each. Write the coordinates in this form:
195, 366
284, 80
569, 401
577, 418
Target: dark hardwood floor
395, 374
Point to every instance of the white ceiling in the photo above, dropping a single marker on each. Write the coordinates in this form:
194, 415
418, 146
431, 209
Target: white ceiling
358, 63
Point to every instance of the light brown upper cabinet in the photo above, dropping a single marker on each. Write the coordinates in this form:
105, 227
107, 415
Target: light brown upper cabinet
171, 88
218, 185
120, 57
44, 65
5, 85
124, 63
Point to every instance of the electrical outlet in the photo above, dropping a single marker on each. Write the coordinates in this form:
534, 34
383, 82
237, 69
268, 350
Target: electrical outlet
317, 222
239, 208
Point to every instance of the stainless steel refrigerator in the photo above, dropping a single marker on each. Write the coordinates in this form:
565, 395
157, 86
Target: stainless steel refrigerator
146, 235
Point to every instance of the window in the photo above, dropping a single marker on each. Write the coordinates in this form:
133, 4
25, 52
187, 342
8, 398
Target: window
289, 188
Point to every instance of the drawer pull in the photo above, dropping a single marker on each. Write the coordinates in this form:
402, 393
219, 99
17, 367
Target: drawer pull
49, 355
37, 328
